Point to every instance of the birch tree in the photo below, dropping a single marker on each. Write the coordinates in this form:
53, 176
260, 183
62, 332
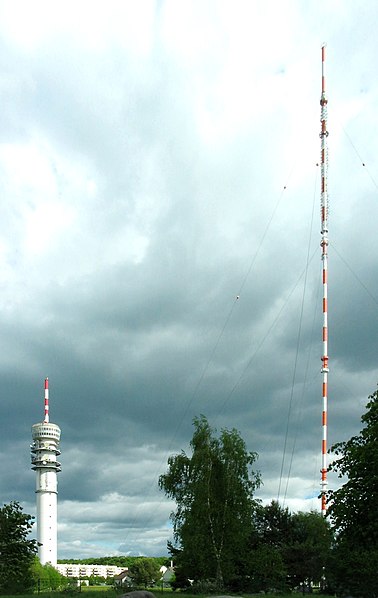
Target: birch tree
213, 489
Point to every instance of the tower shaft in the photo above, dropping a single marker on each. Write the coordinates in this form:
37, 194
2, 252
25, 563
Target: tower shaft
44, 452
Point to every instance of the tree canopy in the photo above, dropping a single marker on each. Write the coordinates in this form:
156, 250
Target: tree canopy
287, 550
308, 549
213, 489
119, 561
17, 552
46, 577
352, 508
144, 571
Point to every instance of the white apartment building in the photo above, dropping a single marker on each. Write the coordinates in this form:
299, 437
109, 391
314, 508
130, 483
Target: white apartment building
80, 571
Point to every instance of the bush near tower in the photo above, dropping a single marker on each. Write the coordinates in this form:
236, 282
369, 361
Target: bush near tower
17, 552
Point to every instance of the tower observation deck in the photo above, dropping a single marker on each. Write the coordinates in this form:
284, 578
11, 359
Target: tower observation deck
44, 453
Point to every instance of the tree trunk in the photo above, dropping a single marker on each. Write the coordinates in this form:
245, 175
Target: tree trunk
219, 576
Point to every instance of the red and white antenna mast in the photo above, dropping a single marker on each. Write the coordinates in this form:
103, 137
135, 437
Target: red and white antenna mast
46, 420
324, 246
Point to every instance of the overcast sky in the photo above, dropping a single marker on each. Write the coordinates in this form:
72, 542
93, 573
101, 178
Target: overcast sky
158, 160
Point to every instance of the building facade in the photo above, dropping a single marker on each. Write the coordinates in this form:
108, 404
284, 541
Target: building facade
79, 570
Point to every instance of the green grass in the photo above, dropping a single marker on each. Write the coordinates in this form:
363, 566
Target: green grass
111, 593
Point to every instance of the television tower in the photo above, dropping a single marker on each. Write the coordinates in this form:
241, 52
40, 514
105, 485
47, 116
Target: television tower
324, 246
44, 452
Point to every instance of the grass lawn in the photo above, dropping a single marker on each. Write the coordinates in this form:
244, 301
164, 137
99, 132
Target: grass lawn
111, 593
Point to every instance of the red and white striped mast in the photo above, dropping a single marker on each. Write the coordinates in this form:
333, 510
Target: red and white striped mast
324, 246
46, 419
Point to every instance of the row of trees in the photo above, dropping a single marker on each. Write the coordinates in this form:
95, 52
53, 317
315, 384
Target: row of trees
224, 537
119, 561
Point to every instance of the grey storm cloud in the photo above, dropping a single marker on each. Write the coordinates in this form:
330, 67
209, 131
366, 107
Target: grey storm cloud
159, 246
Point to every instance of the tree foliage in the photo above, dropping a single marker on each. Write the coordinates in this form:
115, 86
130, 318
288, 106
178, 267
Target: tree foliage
144, 572
119, 561
294, 547
46, 577
353, 507
213, 489
267, 570
17, 552
272, 525
308, 549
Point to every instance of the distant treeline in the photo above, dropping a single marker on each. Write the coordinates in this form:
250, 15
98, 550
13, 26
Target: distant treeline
118, 561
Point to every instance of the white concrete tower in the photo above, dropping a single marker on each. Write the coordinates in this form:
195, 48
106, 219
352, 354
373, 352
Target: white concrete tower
44, 452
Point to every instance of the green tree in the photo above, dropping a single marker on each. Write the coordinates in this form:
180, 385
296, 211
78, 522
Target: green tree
267, 569
144, 572
96, 580
46, 577
271, 532
288, 549
307, 552
213, 489
272, 525
353, 508
17, 552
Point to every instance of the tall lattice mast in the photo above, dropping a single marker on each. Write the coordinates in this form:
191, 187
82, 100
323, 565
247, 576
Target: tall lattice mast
324, 246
